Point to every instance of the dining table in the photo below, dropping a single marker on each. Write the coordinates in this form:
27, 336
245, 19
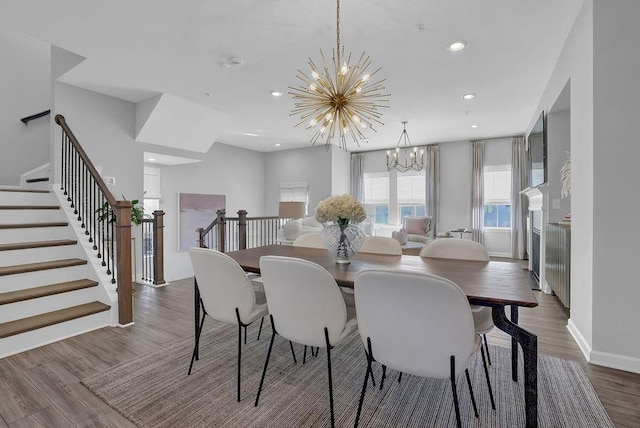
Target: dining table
494, 284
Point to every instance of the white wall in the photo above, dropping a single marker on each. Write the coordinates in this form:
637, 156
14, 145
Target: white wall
26, 90
599, 303
559, 144
616, 200
310, 164
340, 171
226, 170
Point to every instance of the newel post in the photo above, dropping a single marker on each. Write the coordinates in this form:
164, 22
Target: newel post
222, 228
242, 229
201, 237
122, 211
158, 247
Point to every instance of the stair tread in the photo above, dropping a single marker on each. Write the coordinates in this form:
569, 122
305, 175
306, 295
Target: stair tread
36, 244
26, 190
29, 207
33, 267
29, 225
45, 290
24, 325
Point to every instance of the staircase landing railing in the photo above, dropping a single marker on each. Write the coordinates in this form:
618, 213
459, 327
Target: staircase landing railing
239, 233
105, 220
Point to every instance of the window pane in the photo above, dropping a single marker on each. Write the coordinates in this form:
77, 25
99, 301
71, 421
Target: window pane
406, 210
420, 211
411, 188
490, 216
382, 214
504, 215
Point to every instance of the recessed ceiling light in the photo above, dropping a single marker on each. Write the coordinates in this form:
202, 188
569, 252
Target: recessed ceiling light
474, 126
151, 159
249, 134
276, 93
457, 46
277, 144
468, 96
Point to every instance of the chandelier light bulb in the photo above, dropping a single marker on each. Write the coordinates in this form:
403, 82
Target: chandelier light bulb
312, 123
315, 74
312, 86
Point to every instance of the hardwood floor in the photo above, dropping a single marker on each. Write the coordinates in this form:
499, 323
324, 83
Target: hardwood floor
41, 388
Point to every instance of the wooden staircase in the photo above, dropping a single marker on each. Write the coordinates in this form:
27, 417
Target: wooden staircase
48, 291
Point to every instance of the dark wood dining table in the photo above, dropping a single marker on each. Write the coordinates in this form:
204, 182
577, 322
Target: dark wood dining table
493, 284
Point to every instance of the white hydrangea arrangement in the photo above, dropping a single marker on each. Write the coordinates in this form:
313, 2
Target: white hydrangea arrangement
340, 209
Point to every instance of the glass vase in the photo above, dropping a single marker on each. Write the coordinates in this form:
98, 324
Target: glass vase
343, 241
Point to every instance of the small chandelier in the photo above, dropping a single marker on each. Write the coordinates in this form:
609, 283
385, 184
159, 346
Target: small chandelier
405, 158
341, 104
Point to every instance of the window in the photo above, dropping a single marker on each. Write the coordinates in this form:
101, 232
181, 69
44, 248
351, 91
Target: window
411, 193
152, 190
376, 196
497, 196
295, 192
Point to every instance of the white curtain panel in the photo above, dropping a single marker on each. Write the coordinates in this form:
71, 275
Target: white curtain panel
432, 188
357, 176
477, 191
519, 204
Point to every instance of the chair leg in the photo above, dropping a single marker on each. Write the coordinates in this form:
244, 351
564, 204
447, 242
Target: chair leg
454, 391
304, 356
486, 348
486, 373
473, 398
384, 376
400, 378
364, 385
293, 353
260, 329
194, 356
240, 353
245, 334
264, 371
326, 336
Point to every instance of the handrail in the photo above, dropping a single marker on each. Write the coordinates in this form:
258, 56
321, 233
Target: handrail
28, 119
105, 220
239, 233
60, 120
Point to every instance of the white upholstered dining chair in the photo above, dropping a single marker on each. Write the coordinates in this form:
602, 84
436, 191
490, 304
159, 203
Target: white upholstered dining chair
305, 306
422, 326
381, 245
311, 240
226, 295
465, 249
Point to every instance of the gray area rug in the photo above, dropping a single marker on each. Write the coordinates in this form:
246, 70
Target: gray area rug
155, 391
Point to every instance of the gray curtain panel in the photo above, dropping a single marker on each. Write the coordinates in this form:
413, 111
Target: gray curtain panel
477, 191
519, 203
432, 188
357, 176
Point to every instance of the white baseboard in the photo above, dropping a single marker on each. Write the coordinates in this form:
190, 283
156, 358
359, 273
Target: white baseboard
504, 255
616, 361
584, 346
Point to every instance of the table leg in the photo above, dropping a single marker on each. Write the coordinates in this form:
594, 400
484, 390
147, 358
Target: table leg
196, 310
514, 346
529, 343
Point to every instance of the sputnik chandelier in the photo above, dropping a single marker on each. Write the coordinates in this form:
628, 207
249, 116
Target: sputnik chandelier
405, 158
342, 103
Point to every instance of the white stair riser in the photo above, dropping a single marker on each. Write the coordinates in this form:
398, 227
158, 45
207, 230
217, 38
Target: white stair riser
31, 234
27, 198
34, 339
30, 216
43, 277
28, 308
42, 254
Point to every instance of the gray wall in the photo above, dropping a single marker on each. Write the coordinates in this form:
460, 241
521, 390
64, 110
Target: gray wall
340, 171
26, 90
604, 153
311, 164
455, 186
226, 170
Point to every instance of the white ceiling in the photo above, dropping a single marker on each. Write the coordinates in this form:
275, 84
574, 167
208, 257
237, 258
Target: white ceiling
141, 49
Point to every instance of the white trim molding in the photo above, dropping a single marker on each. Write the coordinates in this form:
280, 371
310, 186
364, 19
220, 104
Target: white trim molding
585, 347
605, 359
